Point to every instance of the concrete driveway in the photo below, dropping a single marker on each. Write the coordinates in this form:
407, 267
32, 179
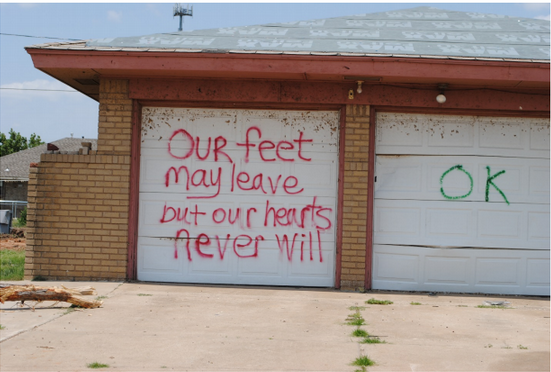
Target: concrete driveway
162, 327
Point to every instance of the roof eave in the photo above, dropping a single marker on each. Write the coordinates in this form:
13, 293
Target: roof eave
84, 65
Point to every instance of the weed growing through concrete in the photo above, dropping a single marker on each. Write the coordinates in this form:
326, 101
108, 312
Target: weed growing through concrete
489, 346
358, 332
522, 347
373, 301
144, 294
97, 365
363, 362
415, 303
493, 307
99, 298
355, 319
2, 327
372, 340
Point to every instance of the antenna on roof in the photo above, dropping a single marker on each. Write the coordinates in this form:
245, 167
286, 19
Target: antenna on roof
181, 11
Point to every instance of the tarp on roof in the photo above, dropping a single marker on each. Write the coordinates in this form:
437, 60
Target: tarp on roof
416, 32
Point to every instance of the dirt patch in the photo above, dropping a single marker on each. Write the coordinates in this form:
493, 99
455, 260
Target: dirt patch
13, 243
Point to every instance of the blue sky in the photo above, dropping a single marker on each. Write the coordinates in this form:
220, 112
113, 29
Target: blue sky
54, 115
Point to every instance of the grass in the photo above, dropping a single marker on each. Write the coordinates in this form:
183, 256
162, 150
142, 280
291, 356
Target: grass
372, 340
355, 319
97, 365
522, 347
12, 264
2, 327
99, 298
492, 307
360, 333
415, 303
373, 301
356, 308
18, 223
144, 294
363, 361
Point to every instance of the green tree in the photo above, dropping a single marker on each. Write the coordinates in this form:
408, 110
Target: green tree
15, 142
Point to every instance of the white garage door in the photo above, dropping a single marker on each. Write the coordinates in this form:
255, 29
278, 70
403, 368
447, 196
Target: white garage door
461, 204
238, 196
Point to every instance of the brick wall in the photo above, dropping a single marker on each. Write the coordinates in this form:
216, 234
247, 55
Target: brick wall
355, 197
78, 204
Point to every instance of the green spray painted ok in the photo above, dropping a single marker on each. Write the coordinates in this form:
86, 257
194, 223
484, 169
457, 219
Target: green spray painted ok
460, 168
489, 182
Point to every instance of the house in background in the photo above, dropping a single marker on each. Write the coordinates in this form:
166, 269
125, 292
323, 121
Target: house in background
404, 150
14, 171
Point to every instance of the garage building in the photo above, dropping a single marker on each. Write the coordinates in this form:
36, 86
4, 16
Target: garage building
405, 150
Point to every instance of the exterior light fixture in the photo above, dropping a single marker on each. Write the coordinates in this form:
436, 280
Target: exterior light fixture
359, 90
441, 98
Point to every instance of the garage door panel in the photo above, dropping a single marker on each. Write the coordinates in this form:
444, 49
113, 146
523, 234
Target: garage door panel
210, 178
455, 224
447, 268
502, 134
449, 222
395, 267
397, 222
539, 136
461, 204
538, 179
537, 272
421, 134
450, 133
238, 196
500, 224
156, 257
162, 215
499, 271
460, 270
538, 226
439, 178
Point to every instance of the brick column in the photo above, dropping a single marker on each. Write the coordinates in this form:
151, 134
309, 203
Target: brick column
355, 197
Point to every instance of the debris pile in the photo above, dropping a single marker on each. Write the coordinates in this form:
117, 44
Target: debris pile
34, 293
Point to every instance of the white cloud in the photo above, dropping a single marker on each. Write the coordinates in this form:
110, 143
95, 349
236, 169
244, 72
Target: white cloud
545, 18
52, 90
114, 16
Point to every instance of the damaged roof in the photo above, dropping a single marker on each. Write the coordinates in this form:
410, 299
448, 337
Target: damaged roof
421, 32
